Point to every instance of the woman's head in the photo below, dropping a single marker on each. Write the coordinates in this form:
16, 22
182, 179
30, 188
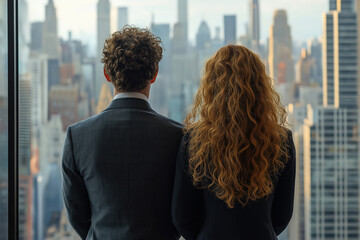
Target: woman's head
236, 128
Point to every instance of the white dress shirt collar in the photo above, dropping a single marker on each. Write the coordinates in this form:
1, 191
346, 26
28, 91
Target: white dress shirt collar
130, 95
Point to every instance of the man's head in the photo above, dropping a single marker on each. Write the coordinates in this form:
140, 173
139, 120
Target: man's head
131, 58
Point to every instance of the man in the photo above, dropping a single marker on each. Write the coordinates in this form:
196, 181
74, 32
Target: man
118, 166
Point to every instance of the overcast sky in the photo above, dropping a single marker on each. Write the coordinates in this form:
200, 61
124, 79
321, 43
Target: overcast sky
79, 16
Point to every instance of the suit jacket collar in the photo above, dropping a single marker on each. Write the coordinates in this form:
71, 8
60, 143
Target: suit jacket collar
129, 103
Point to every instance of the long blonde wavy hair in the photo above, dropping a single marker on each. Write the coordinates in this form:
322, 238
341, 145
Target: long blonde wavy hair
236, 128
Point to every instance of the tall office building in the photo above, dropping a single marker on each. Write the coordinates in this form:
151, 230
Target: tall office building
36, 36
25, 183
46, 195
254, 24
280, 60
64, 100
314, 48
53, 72
39, 92
297, 114
50, 40
103, 32
163, 32
24, 37
179, 45
203, 37
122, 17
331, 135
305, 68
230, 29
339, 56
160, 91
333, 5
24, 124
331, 168
183, 18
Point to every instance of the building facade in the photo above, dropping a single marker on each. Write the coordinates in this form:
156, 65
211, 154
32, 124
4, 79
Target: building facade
280, 59
229, 29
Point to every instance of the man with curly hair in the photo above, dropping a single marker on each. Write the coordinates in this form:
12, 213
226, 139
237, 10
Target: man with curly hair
118, 166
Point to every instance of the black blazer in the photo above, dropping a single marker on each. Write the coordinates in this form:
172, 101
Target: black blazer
198, 214
118, 173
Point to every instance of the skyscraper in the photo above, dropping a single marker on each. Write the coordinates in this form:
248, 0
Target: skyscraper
103, 32
50, 40
339, 56
36, 36
230, 29
305, 65
163, 32
331, 135
179, 45
332, 5
183, 18
203, 36
314, 48
24, 37
160, 91
64, 100
25, 179
281, 64
122, 19
39, 92
255, 23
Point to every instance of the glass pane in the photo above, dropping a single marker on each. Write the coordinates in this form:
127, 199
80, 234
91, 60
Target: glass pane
61, 82
3, 123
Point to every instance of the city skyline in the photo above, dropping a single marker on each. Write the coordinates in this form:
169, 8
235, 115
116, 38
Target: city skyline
166, 12
59, 88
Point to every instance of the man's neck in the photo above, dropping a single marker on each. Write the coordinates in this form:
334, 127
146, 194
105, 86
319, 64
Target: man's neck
145, 91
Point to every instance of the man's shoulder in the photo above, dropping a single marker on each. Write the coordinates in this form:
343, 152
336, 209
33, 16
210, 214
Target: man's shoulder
169, 121
97, 119
88, 122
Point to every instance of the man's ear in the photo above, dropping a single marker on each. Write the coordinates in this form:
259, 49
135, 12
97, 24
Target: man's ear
153, 80
106, 76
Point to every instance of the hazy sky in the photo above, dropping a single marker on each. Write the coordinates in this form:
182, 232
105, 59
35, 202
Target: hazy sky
79, 16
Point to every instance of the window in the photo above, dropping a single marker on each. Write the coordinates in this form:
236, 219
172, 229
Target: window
3, 122
59, 81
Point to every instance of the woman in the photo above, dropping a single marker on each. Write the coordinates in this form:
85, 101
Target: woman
235, 170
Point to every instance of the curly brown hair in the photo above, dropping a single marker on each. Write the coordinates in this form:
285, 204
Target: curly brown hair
131, 57
237, 128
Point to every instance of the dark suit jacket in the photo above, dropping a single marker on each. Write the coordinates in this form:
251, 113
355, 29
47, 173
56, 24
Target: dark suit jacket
118, 173
198, 214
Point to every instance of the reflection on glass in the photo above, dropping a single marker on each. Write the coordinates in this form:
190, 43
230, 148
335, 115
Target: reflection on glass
3, 123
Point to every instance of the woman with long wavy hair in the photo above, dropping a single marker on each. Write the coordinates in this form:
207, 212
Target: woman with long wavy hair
235, 169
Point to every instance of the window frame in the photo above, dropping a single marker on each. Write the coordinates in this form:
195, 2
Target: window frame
13, 118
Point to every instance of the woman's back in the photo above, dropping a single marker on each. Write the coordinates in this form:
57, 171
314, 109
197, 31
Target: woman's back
198, 214
236, 165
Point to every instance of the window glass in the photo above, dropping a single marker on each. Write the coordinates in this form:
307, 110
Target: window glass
3, 122
61, 82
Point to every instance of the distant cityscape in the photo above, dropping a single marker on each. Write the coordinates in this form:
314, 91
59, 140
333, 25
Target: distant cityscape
61, 83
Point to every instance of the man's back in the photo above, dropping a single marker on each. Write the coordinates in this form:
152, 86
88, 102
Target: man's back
121, 162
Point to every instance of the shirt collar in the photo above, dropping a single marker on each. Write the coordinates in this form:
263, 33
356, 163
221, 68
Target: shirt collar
130, 95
